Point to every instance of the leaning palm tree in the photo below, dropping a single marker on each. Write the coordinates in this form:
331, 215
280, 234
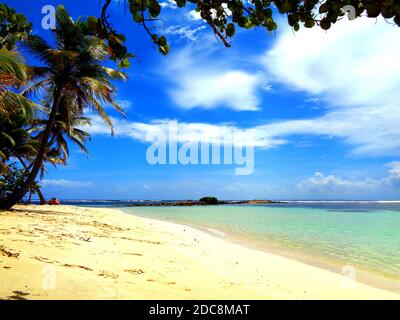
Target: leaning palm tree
62, 133
74, 79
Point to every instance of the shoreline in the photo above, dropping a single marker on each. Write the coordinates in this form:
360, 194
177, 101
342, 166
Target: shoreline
364, 274
101, 253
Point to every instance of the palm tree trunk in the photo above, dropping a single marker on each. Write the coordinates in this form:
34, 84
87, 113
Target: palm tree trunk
38, 191
19, 193
41, 197
30, 197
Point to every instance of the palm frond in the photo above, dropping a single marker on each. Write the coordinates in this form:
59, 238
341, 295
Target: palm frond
12, 103
102, 113
12, 63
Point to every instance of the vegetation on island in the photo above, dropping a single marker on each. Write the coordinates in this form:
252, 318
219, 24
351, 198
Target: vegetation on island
209, 200
42, 108
205, 201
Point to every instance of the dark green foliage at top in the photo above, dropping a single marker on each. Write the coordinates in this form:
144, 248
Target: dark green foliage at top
209, 200
13, 26
224, 17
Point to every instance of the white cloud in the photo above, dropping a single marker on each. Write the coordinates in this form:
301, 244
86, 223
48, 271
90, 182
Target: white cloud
394, 169
200, 81
210, 89
168, 4
320, 184
187, 132
146, 187
62, 183
272, 136
394, 175
362, 130
354, 63
354, 69
194, 15
124, 104
371, 131
184, 32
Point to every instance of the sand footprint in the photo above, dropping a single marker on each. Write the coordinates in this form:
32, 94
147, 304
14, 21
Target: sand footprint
107, 274
77, 266
134, 271
44, 259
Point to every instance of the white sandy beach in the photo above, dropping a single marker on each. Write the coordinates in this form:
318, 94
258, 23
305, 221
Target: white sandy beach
66, 252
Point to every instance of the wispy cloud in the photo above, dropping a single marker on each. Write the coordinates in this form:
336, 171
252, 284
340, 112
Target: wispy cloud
363, 131
124, 104
184, 32
371, 131
359, 93
187, 132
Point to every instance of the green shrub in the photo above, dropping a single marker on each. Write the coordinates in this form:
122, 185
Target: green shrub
13, 179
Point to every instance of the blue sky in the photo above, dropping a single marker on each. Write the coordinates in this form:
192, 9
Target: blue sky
323, 108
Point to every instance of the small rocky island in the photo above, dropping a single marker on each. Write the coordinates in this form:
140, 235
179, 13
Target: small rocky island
205, 201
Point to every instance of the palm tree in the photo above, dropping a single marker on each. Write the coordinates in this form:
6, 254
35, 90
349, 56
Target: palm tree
13, 74
61, 133
16, 141
58, 150
73, 79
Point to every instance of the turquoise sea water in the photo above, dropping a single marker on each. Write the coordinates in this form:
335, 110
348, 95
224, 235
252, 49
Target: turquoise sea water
365, 235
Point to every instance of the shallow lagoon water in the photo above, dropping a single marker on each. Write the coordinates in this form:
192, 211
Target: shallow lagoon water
356, 233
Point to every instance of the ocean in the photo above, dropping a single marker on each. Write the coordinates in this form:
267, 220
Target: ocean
363, 234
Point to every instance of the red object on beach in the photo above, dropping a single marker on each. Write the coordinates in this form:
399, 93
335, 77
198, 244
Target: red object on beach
54, 202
